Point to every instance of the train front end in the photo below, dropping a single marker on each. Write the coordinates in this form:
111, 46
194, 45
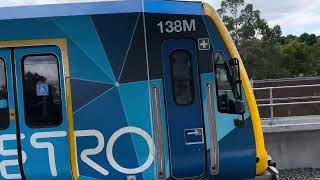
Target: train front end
206, 121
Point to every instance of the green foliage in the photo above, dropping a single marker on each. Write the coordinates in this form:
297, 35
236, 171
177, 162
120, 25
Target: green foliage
309, 39
301, 54
242, 21
295, 57
261, 64
266, 53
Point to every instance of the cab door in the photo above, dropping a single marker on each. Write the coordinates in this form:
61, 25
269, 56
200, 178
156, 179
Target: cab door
42, 123
187, 149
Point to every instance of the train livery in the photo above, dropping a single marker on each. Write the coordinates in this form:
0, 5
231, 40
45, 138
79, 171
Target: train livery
125, 90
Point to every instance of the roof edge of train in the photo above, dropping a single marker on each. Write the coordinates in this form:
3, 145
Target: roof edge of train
102, 7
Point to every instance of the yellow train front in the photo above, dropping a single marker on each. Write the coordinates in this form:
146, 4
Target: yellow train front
125, 90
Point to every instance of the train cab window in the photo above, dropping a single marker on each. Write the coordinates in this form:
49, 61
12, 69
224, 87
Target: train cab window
182, 77
41, 88
4, 108
226, 99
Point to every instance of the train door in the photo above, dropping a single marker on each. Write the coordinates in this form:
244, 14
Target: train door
187, 149
37, 90
8, 140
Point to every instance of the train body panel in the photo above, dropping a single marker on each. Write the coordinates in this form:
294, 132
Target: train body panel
126, 93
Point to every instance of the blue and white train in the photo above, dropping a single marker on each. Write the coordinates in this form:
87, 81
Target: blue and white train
128, 90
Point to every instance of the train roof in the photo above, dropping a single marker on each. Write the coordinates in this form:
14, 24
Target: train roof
105, 7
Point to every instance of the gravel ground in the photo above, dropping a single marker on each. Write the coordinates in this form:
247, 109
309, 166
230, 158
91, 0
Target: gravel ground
300, 174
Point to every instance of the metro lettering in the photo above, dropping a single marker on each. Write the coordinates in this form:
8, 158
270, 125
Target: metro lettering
84, 155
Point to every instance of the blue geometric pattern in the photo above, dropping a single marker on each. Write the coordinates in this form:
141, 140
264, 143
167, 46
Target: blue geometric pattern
111, 89
110, 119
117, 47
87, 40
94, 74
89, 91
119, 105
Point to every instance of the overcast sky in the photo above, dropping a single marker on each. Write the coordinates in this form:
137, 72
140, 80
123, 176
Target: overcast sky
294, 16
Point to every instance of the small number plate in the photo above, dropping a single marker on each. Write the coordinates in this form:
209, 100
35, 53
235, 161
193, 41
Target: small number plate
193, 136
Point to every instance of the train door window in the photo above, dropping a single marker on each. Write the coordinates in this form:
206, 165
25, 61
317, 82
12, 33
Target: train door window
4, 108
182, 77
41, 90
226, 99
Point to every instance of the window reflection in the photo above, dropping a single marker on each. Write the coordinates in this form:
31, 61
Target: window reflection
4, 109
42, 97
226, 99
3, 89
182, 77
224, 87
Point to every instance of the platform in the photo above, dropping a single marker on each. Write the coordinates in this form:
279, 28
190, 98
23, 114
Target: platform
289, 124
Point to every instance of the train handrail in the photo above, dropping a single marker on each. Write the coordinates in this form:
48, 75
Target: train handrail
157, 126
214, 149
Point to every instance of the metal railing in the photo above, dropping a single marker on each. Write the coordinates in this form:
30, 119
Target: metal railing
272, 99
316, 78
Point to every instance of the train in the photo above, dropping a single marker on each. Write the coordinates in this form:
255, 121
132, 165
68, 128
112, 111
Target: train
125, 89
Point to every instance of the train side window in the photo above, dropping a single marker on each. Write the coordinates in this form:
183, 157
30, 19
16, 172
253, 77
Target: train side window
41, 89
4, 108
182, 77
226, 99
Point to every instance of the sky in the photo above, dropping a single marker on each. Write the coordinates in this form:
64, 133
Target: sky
294, 16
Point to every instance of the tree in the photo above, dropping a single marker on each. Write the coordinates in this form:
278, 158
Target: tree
266, 53
315, 58
264, 61
245, 23
296, 58
309, 39
250, 20
272, 34
287, 39
230, 14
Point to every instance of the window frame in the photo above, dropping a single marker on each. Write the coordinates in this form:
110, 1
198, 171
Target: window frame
6, 87
225, 66
42, 126
191, 72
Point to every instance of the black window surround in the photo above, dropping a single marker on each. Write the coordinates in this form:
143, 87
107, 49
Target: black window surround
42, 91
4, 103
